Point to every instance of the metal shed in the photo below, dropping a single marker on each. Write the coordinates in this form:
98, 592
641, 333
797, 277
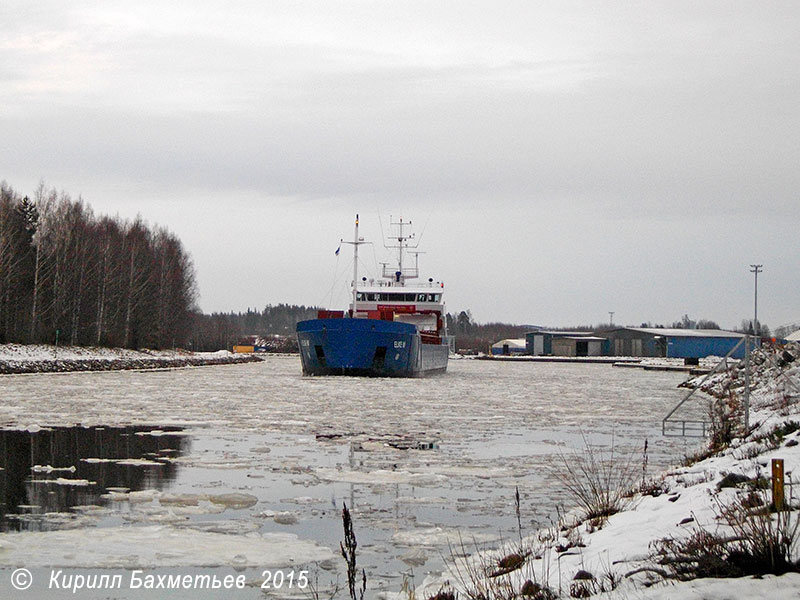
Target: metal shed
578, 345
673, 343
540, 343
510, 346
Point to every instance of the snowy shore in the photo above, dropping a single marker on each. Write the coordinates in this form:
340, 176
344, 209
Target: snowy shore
619, 557
39, 358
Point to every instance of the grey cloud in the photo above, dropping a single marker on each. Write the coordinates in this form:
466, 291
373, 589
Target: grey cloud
664, 128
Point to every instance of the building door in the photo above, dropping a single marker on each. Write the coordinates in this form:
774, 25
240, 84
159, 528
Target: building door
636, 347
619, 347
538, 345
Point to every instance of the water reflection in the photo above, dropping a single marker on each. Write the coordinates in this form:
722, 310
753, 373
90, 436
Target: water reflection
56, 469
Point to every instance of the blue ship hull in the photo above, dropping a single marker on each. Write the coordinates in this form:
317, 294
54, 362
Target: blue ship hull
367, 347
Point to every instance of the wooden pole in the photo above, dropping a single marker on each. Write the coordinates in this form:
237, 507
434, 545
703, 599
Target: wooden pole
777, 483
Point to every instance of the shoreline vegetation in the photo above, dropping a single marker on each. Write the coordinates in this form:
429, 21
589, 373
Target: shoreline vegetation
68, 275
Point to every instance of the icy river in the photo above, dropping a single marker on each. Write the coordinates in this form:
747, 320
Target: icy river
243, 470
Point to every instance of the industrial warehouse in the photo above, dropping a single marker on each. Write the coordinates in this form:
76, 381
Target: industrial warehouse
688, 344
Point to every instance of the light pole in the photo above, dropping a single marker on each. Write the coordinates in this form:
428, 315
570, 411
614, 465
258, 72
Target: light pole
756, 269
611, 317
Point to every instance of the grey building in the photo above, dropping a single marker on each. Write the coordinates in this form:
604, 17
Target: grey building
578, 345
563, 343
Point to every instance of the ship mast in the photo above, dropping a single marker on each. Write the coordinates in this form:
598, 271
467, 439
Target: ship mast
355, 243
355, 266
402, 244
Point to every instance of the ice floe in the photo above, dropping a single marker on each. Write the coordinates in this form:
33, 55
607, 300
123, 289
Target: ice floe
157, 546
379, 476
234, 500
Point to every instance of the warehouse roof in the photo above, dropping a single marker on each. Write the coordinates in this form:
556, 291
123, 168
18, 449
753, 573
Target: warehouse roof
718, 333
562, 333
512, 343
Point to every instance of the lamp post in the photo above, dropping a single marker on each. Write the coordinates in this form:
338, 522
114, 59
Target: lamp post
756, 269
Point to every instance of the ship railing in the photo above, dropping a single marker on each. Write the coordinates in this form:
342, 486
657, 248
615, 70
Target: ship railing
685, 428
421, 285
411, 273
430, 337
330, 314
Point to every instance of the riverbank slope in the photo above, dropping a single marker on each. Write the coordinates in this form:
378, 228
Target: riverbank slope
41, 358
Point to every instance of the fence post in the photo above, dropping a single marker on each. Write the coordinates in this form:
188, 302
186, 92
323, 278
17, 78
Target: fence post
746, 384
777, 483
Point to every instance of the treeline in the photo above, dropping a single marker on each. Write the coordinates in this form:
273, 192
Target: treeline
746, 326
478, 337
685, 322
223, 330
66, 274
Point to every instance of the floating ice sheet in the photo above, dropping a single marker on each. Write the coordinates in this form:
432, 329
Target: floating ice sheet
440, 536
253, 435
379, 476
156, 546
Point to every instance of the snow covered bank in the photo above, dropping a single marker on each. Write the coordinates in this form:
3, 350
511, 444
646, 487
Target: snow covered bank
624, 556
38, 358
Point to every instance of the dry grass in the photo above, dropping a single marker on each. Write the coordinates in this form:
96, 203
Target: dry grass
727, 420
759, 542
508, 575
348, 548
599, 480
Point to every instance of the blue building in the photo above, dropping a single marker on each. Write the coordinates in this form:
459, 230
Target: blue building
672, 343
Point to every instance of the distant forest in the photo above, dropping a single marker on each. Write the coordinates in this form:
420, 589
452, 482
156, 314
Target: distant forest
274, 326
67, 275
474, 337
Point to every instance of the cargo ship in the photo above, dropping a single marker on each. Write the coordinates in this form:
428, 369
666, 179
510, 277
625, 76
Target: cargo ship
394, 327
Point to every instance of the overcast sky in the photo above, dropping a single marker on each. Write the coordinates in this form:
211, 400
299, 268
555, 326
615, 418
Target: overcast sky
566, 159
